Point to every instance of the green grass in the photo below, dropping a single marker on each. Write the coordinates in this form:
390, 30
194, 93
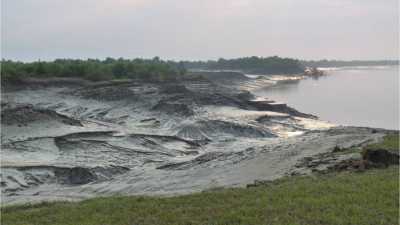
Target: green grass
345, 198
390, 142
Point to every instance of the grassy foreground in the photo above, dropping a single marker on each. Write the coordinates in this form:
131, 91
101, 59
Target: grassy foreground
345, 198
370, 197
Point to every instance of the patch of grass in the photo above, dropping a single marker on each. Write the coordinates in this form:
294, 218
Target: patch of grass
390, 142
338, 198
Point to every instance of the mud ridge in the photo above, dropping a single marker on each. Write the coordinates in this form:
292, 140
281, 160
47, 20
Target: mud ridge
21, 115
23, 177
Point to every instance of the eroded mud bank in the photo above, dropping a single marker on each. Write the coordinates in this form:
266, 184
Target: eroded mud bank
75, 140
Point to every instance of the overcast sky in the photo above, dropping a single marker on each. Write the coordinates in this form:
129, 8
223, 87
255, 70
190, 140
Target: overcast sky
200, 29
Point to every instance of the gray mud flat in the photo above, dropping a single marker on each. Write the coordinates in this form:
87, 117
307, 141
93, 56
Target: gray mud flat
71, 140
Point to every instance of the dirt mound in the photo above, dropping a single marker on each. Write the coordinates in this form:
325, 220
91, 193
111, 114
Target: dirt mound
192, 132
173, 108
174, 89
21, 115
219, 127
81, 175
107, 93
75, 175
197, 161
37, 83
215, 157
281, 108
20, 178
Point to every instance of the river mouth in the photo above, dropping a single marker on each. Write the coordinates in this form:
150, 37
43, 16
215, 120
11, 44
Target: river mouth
76, 141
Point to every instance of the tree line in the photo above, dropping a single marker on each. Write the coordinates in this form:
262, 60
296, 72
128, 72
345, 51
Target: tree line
159, 70
254, 64
93, 69
341, 63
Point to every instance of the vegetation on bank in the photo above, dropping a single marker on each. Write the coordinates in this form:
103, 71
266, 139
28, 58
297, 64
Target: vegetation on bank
390, 142
278, 65
370, 197
254, 64
159, 70
341, 63
147, 69
93, 69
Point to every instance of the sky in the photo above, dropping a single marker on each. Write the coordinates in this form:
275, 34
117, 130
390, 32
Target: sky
199, 29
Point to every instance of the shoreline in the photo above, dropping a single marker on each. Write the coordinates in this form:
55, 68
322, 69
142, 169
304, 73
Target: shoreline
238, 147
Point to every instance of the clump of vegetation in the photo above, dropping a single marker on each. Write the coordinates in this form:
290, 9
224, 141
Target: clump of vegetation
338, 198
254, 64
93, 69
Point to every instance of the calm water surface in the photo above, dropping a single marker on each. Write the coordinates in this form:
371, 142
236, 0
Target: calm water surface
347, 96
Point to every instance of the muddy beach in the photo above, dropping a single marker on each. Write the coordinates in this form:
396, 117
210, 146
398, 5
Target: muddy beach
72, 140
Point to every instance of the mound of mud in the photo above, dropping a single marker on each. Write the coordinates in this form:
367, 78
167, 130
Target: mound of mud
193, 132
88, 135
21, 115
174, 89
81, 175
76, 175
215, 157
197, 161
20, 178
36, 83
173, 108
107, 93
278, 107
208, 129
245, 96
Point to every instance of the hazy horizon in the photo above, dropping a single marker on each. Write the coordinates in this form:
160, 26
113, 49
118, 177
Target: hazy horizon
200, 30
190, 60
